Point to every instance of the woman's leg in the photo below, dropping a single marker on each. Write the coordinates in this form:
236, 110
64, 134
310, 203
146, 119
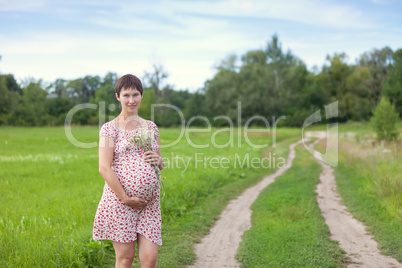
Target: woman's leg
125, 253
147, 252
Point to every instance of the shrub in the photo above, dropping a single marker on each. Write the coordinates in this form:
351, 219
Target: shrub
384, 120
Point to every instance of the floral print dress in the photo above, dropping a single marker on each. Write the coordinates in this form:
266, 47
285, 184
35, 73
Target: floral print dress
114, 220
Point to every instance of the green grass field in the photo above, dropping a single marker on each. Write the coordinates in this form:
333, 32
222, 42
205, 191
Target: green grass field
49, 191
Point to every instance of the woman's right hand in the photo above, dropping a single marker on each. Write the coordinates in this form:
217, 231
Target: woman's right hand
136, 202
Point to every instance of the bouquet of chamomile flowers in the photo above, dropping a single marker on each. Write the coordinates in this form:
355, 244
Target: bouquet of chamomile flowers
143, 139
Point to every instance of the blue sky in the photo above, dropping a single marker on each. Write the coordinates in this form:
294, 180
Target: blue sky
70, 39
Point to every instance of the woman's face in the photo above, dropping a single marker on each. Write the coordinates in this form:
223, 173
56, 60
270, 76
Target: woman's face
130, 100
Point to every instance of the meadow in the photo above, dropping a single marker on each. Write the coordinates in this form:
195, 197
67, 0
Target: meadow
49, 191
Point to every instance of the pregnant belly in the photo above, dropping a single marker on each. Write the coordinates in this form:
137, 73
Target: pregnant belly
139, 179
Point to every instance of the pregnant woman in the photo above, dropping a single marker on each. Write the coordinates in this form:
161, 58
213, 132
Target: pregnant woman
129, 209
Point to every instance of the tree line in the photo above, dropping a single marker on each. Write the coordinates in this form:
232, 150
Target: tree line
268, 82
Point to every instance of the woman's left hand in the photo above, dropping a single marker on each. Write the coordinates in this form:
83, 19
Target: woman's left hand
152, 157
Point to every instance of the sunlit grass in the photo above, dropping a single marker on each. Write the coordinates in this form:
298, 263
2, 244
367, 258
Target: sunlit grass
49, 191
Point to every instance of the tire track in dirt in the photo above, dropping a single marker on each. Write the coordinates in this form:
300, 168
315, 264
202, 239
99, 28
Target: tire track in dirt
360, 247
219, 247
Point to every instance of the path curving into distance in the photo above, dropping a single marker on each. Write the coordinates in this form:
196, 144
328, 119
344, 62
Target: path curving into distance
351, 233
219, 247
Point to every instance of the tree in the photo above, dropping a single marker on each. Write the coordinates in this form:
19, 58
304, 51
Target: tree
146, 102
58, 88
378, 62
195, 106
156, 78
384, 120
269, 83
222, 94
357, 101
82, 89
32, 110
333, 78
106, 93
57, 109
393, 85
229, 63
10, 94
278, 60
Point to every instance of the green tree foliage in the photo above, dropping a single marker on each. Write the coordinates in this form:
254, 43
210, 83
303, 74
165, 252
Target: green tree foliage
195, 106
222, 94
32, 110
149, 98
58, 89
269, 83
357, 101
57, 110
105, 94
393, 85
350, 85
378, 62
165, 115
333, 79
384, 120
10, 93
81, 90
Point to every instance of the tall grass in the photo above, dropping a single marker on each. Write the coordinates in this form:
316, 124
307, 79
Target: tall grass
369, 179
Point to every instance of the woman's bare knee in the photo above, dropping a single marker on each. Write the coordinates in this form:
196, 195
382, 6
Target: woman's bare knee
148, 260
125, 253
147, 252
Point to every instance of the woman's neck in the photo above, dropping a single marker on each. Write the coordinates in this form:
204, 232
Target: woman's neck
129, 117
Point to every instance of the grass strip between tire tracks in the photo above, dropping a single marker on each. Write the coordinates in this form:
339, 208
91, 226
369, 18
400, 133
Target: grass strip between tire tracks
288, 228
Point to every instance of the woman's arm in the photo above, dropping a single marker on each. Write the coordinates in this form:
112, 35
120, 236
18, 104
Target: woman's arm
105, 169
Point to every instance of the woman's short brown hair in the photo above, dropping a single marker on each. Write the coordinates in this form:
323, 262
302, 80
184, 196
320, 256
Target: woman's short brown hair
128, 81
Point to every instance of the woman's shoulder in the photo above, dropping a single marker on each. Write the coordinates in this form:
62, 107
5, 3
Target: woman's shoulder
108, 129
109, 124
152, 124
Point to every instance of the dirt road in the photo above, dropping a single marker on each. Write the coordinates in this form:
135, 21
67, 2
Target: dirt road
219, 247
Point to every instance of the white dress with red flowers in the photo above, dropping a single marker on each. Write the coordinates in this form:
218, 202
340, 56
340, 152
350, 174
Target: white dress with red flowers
114, 220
